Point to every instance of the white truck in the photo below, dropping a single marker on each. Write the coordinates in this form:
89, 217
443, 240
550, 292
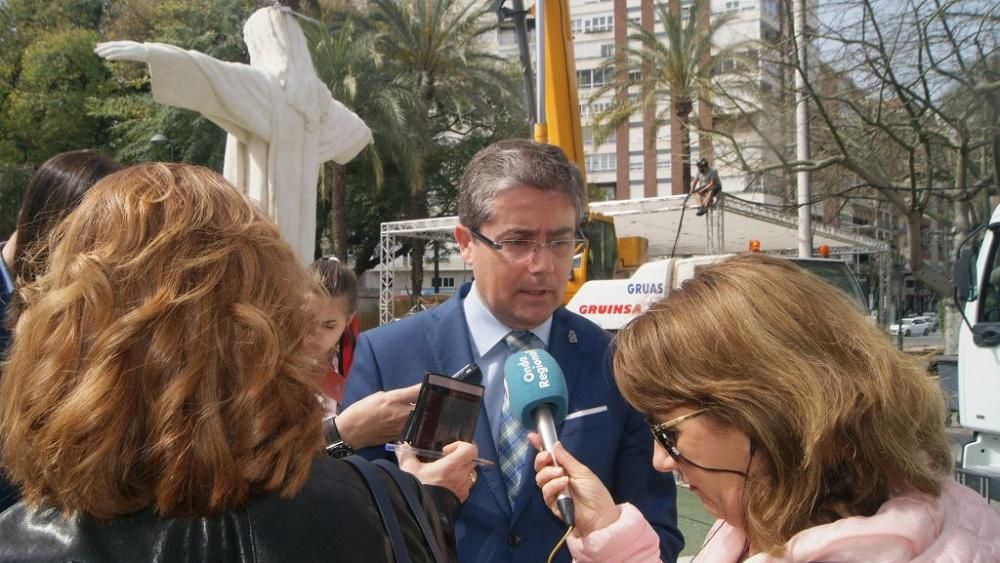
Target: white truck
977, 290
613, 303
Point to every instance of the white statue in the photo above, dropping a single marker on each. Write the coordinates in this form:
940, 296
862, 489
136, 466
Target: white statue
281, 120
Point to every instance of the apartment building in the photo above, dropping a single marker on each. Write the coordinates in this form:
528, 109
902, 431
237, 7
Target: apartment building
635, 161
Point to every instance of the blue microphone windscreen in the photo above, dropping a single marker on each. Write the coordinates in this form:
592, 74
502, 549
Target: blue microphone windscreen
533, 379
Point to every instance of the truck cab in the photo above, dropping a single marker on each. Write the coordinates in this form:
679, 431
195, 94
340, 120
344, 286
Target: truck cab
977, 288
613, 303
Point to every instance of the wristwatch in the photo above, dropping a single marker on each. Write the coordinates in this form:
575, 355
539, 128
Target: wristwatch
335, 445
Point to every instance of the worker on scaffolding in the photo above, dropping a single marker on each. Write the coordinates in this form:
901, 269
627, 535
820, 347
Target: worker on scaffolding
706, 186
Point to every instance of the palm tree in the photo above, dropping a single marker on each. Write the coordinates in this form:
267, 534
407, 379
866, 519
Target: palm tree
441, 45
347, 60
679, 66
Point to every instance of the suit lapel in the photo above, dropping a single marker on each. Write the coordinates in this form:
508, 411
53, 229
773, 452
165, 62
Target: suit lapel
453, 351
565, 348
449, 339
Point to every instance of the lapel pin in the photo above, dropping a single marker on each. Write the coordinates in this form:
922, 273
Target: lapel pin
572, 336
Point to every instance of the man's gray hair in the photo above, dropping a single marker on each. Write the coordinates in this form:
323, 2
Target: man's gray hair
512, 163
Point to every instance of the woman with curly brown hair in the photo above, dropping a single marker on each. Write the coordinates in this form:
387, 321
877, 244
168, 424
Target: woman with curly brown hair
793, 419
159, 403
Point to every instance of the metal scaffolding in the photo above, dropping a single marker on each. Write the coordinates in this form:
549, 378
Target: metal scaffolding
427, 229
441, 229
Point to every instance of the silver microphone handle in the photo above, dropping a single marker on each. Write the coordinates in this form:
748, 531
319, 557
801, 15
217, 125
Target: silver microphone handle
547, 430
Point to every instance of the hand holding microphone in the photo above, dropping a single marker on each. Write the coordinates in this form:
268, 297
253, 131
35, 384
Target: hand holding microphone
594, 507
537, 393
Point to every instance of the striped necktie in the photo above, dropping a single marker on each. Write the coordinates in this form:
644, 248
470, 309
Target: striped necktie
512, 446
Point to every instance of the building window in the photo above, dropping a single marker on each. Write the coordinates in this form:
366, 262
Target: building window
769, 7
990, 311
732, 5
608, 50
595, 108
725, 65
600, 162
587, 134
594, 78
598, 23
607, 191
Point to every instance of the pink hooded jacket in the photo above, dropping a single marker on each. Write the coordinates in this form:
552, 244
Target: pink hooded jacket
957, 527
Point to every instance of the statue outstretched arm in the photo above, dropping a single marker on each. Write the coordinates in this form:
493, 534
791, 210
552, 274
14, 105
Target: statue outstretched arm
123, 51
235, 96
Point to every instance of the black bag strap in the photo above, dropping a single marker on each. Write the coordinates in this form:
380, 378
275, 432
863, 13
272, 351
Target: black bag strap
384, 505
405, 482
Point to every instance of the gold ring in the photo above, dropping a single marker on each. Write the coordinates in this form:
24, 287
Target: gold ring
472, 477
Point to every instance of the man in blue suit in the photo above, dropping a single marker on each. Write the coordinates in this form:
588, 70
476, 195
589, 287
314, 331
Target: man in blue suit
519, 207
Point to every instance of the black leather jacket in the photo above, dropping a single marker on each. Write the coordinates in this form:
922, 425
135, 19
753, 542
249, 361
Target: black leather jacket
332, 519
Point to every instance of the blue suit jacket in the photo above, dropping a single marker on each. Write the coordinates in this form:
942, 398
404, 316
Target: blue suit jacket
615, 444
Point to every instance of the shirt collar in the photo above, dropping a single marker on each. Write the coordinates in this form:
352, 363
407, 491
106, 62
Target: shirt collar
486, 330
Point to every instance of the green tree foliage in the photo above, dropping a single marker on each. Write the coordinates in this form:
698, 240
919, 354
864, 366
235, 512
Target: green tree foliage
442, 46
48, 77
46, 111
13, 178
347, 60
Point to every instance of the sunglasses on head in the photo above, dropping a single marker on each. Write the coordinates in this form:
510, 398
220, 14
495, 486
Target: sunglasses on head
666, 437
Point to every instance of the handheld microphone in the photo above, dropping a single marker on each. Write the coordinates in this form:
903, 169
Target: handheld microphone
537, 393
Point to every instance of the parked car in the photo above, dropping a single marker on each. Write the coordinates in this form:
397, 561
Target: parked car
932, 319
911, 326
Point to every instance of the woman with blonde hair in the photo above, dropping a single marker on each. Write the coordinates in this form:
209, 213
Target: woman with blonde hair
159, 403
794, 421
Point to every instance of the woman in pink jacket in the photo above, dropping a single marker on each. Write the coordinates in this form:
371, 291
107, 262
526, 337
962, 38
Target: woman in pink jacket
793, 419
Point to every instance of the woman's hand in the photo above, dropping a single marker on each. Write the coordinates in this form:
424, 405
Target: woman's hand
378, 418
456, 471
594, 507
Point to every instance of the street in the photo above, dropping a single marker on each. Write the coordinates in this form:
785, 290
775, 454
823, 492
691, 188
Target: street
932, 340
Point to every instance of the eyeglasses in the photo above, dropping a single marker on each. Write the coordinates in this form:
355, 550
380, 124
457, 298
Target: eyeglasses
666, 436
521, 249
